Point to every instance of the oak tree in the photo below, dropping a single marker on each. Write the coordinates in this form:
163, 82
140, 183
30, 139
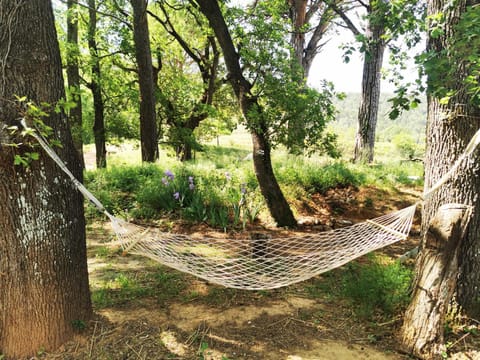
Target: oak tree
43, 269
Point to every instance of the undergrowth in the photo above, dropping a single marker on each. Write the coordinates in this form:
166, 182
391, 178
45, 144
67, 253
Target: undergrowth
376, 286
373, 287
222, 191
119, 287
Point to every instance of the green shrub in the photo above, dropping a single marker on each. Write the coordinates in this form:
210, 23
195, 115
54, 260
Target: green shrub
377, 287
406, 145
314, 178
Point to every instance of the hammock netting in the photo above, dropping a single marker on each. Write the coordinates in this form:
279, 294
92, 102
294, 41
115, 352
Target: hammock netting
261, 263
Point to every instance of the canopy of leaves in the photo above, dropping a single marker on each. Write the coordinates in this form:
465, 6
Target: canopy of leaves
290, 110
458, 61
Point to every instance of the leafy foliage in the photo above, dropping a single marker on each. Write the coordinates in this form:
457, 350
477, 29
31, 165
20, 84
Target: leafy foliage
291, 113
458, 61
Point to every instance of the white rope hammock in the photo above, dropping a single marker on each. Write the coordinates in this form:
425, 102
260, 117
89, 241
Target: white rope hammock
258, 264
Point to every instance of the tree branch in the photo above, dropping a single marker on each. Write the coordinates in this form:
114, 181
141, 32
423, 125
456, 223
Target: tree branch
123, 21
168, 26
350, 25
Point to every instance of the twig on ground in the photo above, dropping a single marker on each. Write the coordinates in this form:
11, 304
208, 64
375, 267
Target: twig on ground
92, 341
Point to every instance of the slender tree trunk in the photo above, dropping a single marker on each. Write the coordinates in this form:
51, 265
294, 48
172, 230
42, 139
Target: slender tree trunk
95, 86
306, 36
43, 268
278, 206
193, 122
298, 13
276, 202
370, 100
73, 77
148, 125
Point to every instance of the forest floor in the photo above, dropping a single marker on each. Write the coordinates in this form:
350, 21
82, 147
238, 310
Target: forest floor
168, 315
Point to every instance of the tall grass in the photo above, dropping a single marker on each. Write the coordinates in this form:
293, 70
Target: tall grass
220, 187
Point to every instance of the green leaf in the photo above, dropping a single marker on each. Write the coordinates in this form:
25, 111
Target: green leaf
444, 100
19, 160
34, 156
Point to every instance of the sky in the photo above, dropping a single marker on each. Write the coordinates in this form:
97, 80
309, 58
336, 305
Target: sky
347, 77
329, 65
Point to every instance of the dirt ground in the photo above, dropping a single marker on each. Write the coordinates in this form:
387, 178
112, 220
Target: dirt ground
192, 319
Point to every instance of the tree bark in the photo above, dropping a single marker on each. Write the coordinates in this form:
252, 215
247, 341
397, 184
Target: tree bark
73, 77
252, 111
95, 86
301, 12
437, 264
298, 13
370, 99
43, 268
148, 125
449, 129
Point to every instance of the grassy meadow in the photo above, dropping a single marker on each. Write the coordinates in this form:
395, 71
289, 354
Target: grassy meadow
219, 187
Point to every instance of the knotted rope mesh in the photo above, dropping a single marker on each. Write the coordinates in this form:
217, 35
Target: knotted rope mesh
261, 263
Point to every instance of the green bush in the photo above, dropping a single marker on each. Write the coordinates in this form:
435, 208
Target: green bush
406, 145
314, 178
375, 287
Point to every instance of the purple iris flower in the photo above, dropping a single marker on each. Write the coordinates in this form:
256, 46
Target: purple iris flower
169, 175
176, 195
243, 188
165, 181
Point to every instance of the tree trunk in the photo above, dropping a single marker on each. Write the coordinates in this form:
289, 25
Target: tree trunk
449, 129
73, 77
298, 13
148, 125
43, 269
370, 100
422, 332
278, 206
95, 86
252, 111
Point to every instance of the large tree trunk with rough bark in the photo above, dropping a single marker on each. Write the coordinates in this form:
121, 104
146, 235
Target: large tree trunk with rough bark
449, 129
252, 111
370, 99
43, 268
422, 332
73, 77
95, 86
148, 125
